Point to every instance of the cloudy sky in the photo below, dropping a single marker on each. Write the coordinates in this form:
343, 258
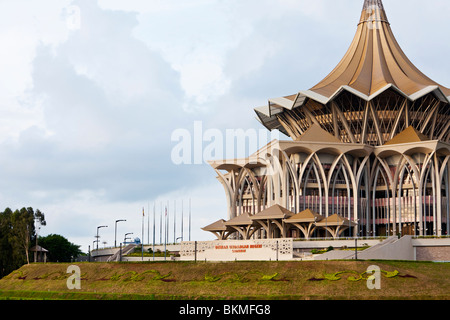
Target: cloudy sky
92, 90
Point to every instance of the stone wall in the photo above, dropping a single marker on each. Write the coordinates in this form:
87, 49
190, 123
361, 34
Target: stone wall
232, 250
433, 253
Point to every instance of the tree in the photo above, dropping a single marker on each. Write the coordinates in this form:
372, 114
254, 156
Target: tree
7, 262
24, 231
60, 249
17, 231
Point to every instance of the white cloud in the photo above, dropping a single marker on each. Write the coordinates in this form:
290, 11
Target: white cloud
150, 5
195, 44
213, 43
202, 80
79, 214
86, 113
96, 103
23, 26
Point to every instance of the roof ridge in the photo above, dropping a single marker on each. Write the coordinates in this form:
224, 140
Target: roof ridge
408, 135
315, 133
375, 59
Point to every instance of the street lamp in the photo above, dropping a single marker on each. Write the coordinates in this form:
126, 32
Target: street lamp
98, 237
115, 232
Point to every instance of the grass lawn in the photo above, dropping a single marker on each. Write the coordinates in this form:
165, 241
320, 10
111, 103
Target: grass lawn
292, 280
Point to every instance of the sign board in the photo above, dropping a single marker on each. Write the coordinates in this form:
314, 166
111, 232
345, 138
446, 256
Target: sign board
231, 250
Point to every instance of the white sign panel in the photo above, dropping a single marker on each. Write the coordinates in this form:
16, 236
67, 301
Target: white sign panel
231, 250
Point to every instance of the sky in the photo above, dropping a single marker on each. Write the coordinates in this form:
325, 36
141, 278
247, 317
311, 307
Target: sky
92, 91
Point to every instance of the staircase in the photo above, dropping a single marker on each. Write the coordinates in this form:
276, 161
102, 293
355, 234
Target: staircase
125, 251
390, 249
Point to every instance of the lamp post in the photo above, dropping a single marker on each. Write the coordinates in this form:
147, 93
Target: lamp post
115, 232
98, 237
93, 246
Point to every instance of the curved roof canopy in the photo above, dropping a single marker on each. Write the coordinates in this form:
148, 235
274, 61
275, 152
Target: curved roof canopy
373, 63
375, 60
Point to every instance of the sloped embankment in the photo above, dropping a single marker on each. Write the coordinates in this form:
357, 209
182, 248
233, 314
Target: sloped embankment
234, 280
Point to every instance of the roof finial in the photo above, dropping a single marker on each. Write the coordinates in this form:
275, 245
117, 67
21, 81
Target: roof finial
372, 3
373, 11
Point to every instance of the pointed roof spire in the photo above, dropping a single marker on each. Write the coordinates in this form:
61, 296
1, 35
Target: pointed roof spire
373, 3
375, 60
373, 64
373, 11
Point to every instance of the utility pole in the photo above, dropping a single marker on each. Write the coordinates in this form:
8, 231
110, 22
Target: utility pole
98, 237
115, 232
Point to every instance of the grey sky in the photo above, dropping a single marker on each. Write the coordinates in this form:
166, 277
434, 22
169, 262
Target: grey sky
88, 106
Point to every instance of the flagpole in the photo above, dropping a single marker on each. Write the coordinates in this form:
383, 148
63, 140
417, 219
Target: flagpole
154, 214
165, 234
189, 219
168, 221
174, 221
182, 217
142, 243
160, 225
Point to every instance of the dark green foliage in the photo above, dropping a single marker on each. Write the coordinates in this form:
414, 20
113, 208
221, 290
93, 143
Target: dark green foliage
17, 235
60, 249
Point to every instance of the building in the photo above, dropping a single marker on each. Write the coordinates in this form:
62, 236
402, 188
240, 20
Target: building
40, 254
369, 154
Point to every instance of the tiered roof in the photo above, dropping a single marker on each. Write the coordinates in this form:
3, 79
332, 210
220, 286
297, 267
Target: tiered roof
373, 64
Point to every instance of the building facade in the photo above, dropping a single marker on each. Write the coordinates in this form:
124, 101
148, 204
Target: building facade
370, 146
